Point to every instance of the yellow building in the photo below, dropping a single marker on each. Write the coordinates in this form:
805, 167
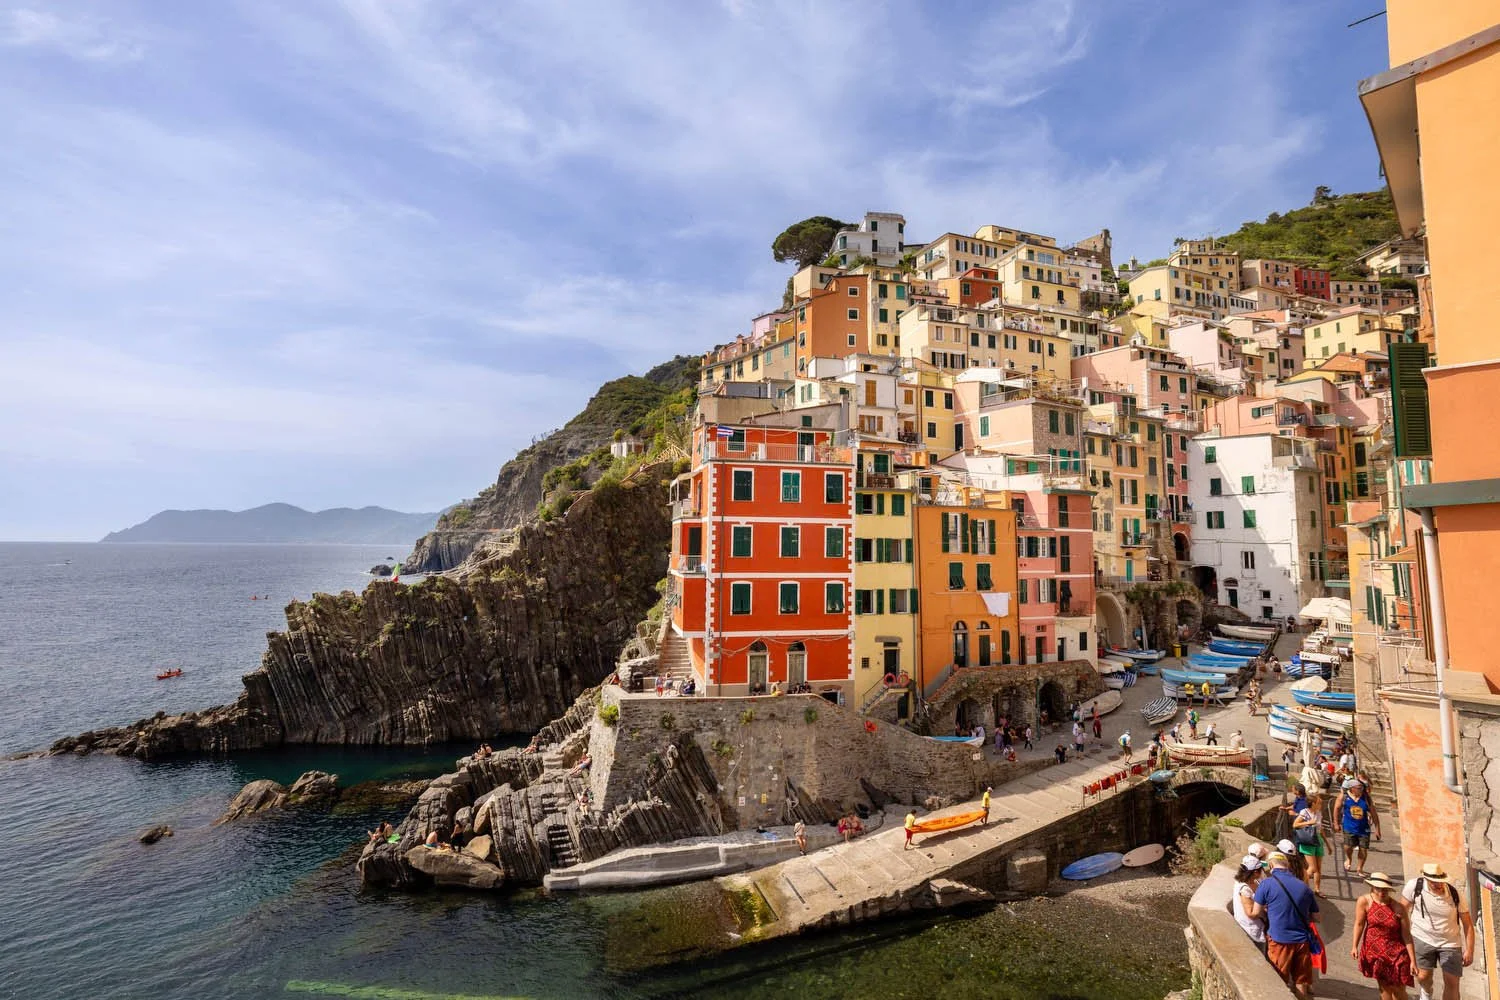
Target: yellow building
954, 339
1357, 330
1208, 257
1038, 276
1182, 290
927, 395
885, 583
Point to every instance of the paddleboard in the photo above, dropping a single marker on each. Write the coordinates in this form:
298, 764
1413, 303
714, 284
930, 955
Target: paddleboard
1148, 854
1093, 866
1160, 776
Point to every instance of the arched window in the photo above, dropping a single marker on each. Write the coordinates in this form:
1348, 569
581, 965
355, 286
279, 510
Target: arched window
960, 644
986, 649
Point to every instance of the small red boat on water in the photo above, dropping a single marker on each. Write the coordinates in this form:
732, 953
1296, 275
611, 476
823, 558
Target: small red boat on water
164, 675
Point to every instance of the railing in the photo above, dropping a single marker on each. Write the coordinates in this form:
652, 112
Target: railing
1115, 582
1294, 462
875, 481
820, 454
684, 508
691, 566
1027, 521
1186, 517
1132, 540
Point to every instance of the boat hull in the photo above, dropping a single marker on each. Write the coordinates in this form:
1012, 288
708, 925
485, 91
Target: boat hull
1180, 677
937, 824
1234, 647
1253, 633
1142, 655
1203, 753
1160, 710
1106, 703
1334, 700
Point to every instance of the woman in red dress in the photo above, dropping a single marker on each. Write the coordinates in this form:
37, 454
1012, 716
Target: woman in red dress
1382, 939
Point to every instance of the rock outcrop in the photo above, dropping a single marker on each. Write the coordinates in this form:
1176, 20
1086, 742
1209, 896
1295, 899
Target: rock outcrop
154, 834
458, 870
504, 648
315, 788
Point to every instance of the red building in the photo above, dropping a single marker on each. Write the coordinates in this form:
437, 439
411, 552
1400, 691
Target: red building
762, 557
1311, 281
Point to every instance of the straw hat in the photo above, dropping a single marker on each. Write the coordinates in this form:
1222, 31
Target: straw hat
1433, 872
1380, 880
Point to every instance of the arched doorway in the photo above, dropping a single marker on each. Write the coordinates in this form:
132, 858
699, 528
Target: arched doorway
968, 715
1206, 579
796, 665
1181, 548
1189, 616
758, 665
1013, 704
1052, 699
1111, 618
986, 646
960, 644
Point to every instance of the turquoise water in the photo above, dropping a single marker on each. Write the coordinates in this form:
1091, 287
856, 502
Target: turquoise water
271, 906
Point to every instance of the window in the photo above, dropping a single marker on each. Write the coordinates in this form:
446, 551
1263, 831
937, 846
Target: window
900, 602
1052, 421
739, 598
833, 598
1247, 559
788, 598
864, 602
982, 579
1249, 518
955, 576
864, 503
791, 487
1068, 425
833, 543
1216, 487
1247, 484
739, 545
1165, 383
1182, 385
898, 505
927, 398
1215, 519
833, 487
853, 313
947, 400
736, 440
791, 542
744, 484
900, 292
1151, 465
885, 316
1210, 454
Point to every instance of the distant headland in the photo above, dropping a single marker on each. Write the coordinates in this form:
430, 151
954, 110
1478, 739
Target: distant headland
280, 522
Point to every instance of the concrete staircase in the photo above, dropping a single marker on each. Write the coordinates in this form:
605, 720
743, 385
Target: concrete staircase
674, 661
1382, 787
555, 800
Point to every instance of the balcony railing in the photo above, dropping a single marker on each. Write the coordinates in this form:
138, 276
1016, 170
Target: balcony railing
812, 454
1130, 539
684, 508
1186, 517
691, 565
875, 481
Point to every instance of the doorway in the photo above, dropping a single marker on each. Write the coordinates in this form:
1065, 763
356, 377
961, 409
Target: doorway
759, 662
891, 659
796, 665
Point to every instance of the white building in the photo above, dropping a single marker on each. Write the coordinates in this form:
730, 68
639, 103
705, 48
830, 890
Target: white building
1258, 536
878, 237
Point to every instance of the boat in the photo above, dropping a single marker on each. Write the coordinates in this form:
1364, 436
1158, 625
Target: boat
1115, 682
1159, 710
1106, 703
1148, 669
1181, 677
1220, 660
1336, 700
1287, 732
1093, 866
1236, 647
1143, 655
936, 824
1205, 753
973, 741
1317, 718
1313, 684
1254, 633
1110, 666
1224, 692
1146, 854
164, 675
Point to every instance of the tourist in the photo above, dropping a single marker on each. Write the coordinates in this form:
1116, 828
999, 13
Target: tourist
1237, 740
1357, 819
979, 733
1156, 742
1077, 739
1124, 742
1210, 738
1010, 754
381, 833
999, 741
432, 839
1207, 691
1442, 930
1246, 878
1288, 759
1192, 719
1061, 753
1295, 862
799, 834
1098, 728
1176, 732
1290, 911
1310, 840
1383, 944
689, 686
984, 804
661, 685
583, 765
911, 828
1026, 736
1046, 719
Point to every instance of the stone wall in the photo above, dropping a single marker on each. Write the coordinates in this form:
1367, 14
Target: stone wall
1014, 685
1479, 763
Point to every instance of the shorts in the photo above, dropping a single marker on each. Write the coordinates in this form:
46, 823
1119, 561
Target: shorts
1292, 962
1450, 960
1361, 840
1311, 850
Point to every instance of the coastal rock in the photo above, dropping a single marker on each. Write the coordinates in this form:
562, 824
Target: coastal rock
503, 646
154, 834
480, 847
459, 871
312, 786
381, 570
369, 796
256, 797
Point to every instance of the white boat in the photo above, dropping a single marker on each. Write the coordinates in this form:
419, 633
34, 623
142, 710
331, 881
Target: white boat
1284, 732
1109, 666
1254, 633
1106, 703
1143, 655
973, 741
1314, 684
1159, 710
1317, 718
1223, 693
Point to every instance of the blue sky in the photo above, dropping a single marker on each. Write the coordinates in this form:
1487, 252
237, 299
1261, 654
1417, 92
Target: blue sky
339, 253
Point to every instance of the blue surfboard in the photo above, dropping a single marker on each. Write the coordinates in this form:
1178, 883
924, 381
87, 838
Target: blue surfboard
1093, 866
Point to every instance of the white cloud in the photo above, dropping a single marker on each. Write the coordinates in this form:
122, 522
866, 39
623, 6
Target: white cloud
80, 37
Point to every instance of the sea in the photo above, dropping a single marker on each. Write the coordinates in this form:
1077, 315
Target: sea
271, 906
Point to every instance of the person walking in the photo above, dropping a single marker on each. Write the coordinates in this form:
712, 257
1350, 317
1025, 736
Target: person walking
1207, 691
1210, 738
799, 834
911, 828
1247, 877
1098, 728
1442, 931
1357, 819
1383, 945
1026, 737
1289, 909
985, 805
1310, 841
1124, 742
1237, 740
1192, 720
1077, 737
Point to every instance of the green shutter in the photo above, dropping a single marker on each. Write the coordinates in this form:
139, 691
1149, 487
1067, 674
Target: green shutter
945, 532
906, 547
913, 602
963, 532
1409, 400
992, 534
880, 602
880, 503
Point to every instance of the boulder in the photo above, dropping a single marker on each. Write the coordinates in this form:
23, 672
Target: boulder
154, 834
381, 570
256, 797
313, 785
480, 847
459, 871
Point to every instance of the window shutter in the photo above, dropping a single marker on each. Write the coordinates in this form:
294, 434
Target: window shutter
945, 532
880, 602
992, 537
1409, 400
913, 600
906, 544
880, 503
963, 532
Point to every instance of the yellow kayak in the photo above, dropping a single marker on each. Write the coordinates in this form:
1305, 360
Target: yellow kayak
948, 822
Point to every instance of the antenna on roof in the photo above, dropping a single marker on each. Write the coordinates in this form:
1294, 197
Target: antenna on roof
1362, 20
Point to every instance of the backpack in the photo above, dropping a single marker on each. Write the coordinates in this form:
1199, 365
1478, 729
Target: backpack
1421, 894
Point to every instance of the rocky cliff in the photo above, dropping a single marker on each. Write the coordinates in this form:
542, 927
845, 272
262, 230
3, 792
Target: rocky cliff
627, 405
504, 647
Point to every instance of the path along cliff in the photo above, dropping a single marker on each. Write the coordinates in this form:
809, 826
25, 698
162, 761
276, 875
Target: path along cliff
505, 644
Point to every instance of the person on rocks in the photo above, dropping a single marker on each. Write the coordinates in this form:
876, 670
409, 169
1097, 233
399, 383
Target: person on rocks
984, 803
1290, 910
799, 834
1383, 944
911, 828
432, 840
1247, 877
1357, 821
381, 833
1442, 930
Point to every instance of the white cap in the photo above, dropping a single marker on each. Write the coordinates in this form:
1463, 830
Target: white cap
1250, 863
1286, 847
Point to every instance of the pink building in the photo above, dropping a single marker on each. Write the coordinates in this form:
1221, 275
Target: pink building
1156, 377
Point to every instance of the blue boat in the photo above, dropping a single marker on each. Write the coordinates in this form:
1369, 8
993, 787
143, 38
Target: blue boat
1221, 659
1180, 677
1236, 647
1341, 701
1148, 669
1093, 866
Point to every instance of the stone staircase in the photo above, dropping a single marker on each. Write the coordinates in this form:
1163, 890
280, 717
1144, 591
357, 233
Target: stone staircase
1382, 787
556, 798
674, 660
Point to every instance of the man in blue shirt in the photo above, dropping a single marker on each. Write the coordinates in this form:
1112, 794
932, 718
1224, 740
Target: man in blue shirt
1289, 908
1357, 816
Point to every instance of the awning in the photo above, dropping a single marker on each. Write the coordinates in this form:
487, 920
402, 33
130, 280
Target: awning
1334, 609
1406, 555
997, 604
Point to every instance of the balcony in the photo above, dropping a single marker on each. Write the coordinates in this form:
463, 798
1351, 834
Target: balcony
1132, 540
1294, 462
684, 509
1185, 517
809, 454
875, 481
691, 565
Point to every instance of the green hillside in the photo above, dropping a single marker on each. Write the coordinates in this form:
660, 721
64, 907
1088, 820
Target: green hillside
1331, 232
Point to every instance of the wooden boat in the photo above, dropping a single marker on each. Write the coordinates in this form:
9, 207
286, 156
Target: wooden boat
175, 672
1313, 684
973, 741
1335, 700
1106, 703
1204, 753
1235, 647
1254, 633
1223, 692
1159, 710
1142, 655
1181, 677
936, 824
1219, 660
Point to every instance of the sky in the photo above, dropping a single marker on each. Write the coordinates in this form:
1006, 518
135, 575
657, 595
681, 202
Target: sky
349, 252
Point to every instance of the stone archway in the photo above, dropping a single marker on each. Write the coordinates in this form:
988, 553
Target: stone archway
1053, 699
1181, 547
1188, 614
1113, 619
1206, 579
969, 714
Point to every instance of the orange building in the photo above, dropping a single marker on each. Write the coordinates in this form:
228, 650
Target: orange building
761, 558
966, 577
833, 321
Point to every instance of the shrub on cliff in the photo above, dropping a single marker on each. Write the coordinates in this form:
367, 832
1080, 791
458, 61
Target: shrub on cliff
610, 715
